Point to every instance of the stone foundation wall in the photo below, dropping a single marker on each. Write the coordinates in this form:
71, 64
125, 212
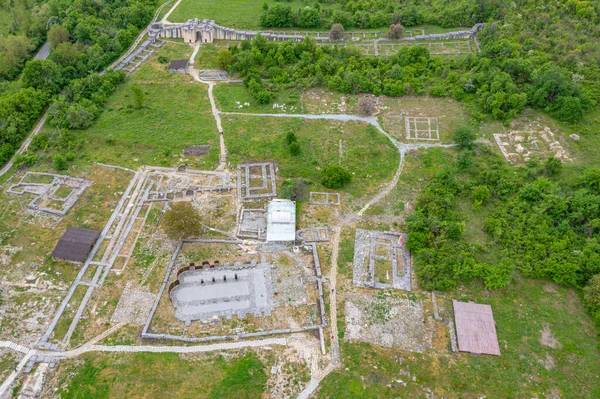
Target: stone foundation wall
206, 31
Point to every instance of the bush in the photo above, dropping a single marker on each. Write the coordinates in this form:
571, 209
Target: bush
336, 32
335, 176
395, 31
25, 160
59, 162
290, 138
366, 107
464, 137
295, 190
182, 221
591, 297
162, 59
295, 149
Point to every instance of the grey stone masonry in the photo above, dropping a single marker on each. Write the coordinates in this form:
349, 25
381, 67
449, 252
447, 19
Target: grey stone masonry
365, 257
317, 198
206, 31
246, 187
46, 193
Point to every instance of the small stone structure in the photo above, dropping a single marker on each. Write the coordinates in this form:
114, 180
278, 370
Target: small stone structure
133, 307
387, 321
313, 234
207, 31
317, 198
422, 128
208, 292
178, 66
48, 197
186, 184
519, 146
213, 74
252, 224
247, 174
376, 252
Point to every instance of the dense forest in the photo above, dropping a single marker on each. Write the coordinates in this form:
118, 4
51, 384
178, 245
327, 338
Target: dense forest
85, 37
535, 223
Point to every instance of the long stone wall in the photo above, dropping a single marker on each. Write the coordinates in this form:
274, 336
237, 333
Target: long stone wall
206, 31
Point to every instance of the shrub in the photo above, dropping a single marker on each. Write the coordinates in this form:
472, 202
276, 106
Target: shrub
366, 107
335, 176
464, 137
25, 160
290, 138
336, 32
395, 31
295, 190
295, 149
162, 59
59, 162
591, 297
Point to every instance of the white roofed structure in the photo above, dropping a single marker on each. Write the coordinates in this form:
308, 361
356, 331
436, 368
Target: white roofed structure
281, 220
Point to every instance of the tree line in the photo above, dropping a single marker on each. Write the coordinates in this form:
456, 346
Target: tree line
377, 13
500, 81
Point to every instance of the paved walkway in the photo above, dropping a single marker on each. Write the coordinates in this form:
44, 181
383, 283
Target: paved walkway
43, 53
163, 349
11, 378
13, 346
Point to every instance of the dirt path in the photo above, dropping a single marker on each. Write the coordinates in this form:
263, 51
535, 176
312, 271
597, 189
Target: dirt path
165, 19
215, 111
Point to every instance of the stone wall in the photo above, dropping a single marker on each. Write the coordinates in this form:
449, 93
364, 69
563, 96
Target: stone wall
206, 31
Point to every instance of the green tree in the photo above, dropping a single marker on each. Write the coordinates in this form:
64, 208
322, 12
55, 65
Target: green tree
464, 137
224, 59
59, 163
591, 297
182, 221
43, 75
57, 35
335, 176
336, 32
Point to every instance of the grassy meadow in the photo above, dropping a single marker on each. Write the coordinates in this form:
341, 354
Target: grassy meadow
359, 147
162, 375
175, 113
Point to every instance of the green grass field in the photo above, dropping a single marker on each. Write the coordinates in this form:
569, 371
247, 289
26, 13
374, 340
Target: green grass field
239, 14
366, 153
175, 114
232, 97
162, 375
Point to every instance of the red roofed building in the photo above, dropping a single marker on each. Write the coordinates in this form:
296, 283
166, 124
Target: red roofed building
475, 328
